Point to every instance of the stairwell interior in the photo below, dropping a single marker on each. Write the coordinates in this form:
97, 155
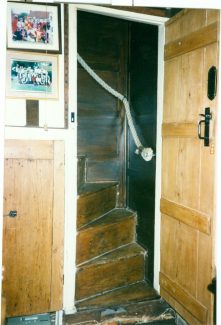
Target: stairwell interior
116, 188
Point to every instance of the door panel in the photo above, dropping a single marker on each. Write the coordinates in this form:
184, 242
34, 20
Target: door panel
187, 203
32, 245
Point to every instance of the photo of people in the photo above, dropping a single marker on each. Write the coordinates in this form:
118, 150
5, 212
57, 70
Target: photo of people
31, 76
32, 26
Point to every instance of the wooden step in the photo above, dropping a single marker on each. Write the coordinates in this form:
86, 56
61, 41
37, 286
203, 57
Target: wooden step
95, 200
140, 291
119, 268
142, 312
116, 228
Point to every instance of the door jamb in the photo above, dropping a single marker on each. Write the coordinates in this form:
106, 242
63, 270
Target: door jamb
69, 291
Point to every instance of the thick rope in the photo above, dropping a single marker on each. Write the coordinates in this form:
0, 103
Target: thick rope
146, 153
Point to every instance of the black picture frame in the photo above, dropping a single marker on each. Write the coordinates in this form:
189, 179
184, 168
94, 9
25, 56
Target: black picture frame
34, 27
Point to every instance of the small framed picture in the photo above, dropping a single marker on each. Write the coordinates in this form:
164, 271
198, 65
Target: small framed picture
32, 76
34, 27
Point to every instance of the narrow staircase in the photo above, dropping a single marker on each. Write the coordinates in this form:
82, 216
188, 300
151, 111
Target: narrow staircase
110, 264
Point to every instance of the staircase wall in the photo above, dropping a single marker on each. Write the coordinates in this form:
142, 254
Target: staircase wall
103, 43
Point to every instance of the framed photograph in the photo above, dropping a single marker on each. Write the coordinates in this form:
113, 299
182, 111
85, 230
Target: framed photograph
32, 76
34, 27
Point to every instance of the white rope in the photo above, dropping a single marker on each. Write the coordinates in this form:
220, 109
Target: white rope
146, 153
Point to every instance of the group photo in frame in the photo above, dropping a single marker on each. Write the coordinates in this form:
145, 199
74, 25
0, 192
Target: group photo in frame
32, 76
34, 27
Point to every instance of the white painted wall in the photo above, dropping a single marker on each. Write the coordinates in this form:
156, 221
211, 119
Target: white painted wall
51, 112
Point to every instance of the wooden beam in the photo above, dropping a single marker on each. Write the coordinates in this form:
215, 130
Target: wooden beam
185, 299
181, 130
186, 215
195, 40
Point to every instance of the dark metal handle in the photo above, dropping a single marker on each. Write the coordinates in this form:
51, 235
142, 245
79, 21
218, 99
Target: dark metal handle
206, 122
11, 214
199, 129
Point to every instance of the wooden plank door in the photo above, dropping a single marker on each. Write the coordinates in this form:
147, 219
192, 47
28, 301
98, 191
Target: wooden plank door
33, 240
187, 202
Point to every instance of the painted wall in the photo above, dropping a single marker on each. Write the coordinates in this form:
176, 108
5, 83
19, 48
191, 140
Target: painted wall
51, 112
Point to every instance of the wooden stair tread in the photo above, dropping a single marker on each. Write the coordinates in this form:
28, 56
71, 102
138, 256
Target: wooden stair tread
124, 252
111, 217
94, 203
90, 188
111, 231
123, 266
136, 292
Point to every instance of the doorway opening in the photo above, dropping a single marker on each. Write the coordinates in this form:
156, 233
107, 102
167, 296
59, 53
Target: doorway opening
124, 54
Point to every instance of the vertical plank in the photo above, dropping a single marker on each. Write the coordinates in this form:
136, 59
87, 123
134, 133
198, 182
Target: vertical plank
28, 237
187, 250
171, 97
188, 170
58, 228
169, 169
191, 101
168, 244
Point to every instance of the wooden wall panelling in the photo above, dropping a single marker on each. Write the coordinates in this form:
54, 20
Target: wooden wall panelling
102, 42
143, 101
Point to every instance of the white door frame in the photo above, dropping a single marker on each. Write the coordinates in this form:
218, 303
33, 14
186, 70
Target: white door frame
160, 22
69, 291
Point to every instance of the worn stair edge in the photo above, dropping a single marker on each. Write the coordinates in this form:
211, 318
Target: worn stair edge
115, 229
112, 270
92, 205
88, 189
154, 310
121, 253
113, 216
133, 293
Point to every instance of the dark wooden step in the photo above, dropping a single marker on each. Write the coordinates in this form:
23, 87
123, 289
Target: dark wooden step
115, 229
95, 200
140, 291
119, 268
156, 310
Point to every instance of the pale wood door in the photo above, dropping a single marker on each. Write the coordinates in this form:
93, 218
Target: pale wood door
33, 241
187, 203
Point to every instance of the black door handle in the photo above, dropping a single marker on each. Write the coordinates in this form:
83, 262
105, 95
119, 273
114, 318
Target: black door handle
11, 214
207, 117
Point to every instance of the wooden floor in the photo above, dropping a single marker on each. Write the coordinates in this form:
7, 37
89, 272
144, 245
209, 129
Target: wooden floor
150, 312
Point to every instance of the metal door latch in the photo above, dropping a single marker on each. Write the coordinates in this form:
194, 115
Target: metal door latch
11, 214
206, 122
